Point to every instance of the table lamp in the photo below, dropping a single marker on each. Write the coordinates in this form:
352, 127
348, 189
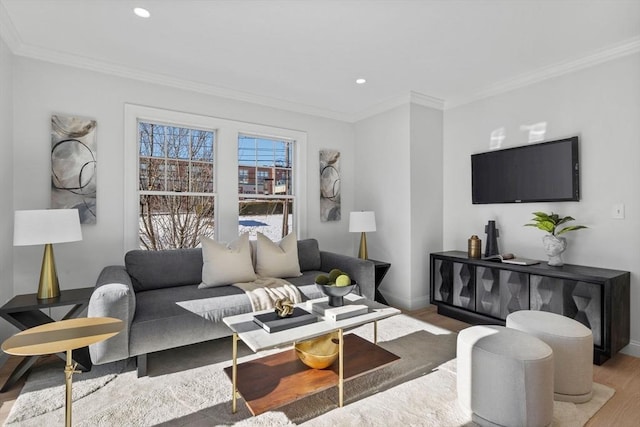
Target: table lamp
45, 227
361, 222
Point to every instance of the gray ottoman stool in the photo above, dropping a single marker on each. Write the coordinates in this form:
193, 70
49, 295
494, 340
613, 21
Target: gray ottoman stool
572, 345
504, 377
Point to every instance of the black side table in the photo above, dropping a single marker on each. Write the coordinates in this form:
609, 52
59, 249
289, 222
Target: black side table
381, 270
24, 312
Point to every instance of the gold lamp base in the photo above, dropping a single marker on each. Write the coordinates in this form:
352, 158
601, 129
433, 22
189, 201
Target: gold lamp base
362, 253
48, 286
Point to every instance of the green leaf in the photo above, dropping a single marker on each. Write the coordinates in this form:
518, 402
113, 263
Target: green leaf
570, 228
547, 226
565, 219
541, 216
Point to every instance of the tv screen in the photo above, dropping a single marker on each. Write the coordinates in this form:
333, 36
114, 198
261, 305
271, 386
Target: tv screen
544, 172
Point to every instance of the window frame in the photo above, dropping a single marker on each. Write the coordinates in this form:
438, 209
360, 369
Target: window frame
225, 153
262, 175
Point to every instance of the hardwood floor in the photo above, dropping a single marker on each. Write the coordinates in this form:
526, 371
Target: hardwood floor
621, 372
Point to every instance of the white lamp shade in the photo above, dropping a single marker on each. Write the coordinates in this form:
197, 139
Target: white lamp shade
37, 227
363, 221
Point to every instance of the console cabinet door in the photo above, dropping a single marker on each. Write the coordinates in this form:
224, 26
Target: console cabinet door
578, 300
500, 292
453, 283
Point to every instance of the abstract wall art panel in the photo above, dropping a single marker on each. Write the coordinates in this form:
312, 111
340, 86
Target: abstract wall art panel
330, 185
73, 165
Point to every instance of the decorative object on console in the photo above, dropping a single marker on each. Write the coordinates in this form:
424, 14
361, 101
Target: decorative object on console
554, 246
474, 247
362, 222
330, 185
73, 165
46, 226
492, 239
319, 352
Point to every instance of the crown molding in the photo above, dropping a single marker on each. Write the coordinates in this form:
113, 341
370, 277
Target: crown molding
8, 31
391, 103
104, 67
426, 100
618, 50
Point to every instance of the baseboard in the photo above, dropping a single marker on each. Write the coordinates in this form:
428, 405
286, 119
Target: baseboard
405, 303
632, 349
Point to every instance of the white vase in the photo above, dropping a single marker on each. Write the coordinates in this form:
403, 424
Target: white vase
554, 247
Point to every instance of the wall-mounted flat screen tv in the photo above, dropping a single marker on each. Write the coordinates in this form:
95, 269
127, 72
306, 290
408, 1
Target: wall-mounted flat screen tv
543, 172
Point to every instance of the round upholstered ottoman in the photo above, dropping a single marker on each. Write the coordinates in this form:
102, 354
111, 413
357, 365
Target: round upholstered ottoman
572, 345
504, 377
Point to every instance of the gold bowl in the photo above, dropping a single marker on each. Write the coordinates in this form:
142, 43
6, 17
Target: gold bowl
319, 352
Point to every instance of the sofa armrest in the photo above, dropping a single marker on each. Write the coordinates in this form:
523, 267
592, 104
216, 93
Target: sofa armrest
113, 296
360, 270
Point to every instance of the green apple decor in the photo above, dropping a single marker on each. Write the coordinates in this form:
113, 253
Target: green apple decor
554, 246
335, 285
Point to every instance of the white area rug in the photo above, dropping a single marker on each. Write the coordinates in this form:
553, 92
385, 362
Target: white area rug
187, 386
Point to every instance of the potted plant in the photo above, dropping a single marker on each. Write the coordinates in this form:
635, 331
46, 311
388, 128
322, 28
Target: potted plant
553, 245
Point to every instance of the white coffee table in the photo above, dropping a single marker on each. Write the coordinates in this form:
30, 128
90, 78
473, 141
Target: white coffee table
278, 379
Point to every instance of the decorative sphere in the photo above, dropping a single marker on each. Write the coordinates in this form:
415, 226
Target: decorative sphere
333, 274
343, 280
322, 279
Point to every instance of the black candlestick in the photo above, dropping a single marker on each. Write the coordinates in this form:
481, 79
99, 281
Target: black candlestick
492, 239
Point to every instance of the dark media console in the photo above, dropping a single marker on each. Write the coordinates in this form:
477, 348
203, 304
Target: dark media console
485, 292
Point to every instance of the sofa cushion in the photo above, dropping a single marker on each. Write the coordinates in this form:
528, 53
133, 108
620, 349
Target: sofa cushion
173, 317
163, 269
309, 255
277, 259
226, 264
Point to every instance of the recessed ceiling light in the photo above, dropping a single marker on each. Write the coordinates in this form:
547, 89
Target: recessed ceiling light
361, 81
141, 12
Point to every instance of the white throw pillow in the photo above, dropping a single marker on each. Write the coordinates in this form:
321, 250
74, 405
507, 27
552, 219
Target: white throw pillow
226, 264
277, 259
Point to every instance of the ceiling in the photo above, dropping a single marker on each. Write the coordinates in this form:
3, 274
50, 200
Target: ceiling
304, 55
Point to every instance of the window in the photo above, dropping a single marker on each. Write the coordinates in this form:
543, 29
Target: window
266, 200
189, 177
243, 176
176, 185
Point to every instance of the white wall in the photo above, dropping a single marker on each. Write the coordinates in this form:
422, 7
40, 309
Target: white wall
43, 88
426, 197
601, 104
6, 179
399, 177
382, 182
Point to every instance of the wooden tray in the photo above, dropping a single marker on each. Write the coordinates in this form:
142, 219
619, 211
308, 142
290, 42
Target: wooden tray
281, 378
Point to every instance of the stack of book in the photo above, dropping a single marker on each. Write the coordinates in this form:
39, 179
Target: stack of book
271, 322
350, 308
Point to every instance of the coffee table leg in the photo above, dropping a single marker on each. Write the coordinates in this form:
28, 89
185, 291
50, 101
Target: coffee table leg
234, 374
340, 367
375, 332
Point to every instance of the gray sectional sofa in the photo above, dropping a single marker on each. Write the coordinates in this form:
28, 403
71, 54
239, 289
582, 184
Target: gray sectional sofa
156, 294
